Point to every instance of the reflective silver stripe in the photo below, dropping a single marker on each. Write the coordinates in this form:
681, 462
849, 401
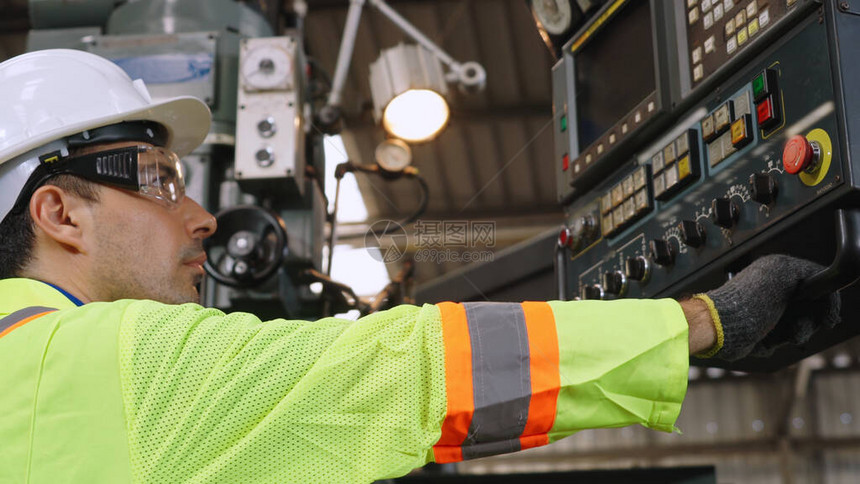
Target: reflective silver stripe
500, 376
20, 315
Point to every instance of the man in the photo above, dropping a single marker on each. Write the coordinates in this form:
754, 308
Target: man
108, 378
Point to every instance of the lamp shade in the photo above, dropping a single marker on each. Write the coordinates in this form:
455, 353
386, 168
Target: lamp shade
409, 89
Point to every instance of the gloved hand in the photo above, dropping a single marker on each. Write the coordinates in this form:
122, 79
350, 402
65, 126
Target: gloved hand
748, 310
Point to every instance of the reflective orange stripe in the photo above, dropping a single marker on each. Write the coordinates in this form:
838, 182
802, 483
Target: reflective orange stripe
22, 323
458, 383
543, 361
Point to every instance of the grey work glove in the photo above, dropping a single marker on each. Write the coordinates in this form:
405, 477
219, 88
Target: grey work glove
751, 306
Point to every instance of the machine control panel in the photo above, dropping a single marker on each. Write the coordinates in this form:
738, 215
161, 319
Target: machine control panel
748, 156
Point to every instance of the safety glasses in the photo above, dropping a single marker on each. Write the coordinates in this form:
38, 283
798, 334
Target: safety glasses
153, 172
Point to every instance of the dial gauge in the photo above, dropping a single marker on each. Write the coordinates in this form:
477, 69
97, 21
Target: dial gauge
393, 155
267, 67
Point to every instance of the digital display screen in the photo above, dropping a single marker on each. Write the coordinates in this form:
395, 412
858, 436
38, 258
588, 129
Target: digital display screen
614, 71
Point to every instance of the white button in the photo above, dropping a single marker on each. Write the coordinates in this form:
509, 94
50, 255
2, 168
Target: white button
718, 12
752, 8
691, 3
651, 107
600, 149
697, 55
693, 17
709, 45
588, 159
576, 167
637, 117
731, 45
709, 20
698, 73
612, 138
728, 5
763, 18
706, 5
624, 128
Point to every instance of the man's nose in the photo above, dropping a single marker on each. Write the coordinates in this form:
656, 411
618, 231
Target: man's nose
201, 224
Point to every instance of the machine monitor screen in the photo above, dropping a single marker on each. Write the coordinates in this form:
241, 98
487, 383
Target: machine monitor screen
614, 71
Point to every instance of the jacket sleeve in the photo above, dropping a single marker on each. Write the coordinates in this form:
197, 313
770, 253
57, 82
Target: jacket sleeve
524, 375
211, 397
228, 398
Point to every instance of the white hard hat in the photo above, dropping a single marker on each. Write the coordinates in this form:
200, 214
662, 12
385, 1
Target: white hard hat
48, 95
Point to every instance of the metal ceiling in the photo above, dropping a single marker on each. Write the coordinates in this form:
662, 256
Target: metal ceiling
493, 162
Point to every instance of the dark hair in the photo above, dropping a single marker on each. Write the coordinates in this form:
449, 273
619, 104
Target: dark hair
17, 232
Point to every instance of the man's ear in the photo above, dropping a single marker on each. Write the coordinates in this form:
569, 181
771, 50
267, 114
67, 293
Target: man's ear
59, 214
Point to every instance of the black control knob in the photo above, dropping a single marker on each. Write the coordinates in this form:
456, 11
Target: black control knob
592, 291
637, 268
615, 283
763, 188
724, 212
692, 233
662, 252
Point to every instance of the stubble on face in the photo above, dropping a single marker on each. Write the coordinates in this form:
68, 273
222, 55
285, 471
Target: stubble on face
138, 257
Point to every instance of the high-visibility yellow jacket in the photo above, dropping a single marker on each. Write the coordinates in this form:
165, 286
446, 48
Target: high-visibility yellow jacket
139, 391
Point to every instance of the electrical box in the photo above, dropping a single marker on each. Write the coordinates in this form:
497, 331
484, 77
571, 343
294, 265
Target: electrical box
269, 124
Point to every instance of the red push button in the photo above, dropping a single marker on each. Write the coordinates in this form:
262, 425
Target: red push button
797, 154
766, 114
564, 237
565, 162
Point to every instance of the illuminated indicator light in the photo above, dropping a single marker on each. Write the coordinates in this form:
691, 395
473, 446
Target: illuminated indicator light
563, 123
684, 167
742, 36
753, 27
565, 162
741, 131
577, 167
766, 114
758, 86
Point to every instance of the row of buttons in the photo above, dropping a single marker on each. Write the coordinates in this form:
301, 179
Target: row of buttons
728, 128
669, 176
646, 109
739, 28
625, 202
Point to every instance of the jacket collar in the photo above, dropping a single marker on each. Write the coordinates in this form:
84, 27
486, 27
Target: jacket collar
19, 293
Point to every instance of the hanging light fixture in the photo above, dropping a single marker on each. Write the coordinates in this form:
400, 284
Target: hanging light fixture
408, 88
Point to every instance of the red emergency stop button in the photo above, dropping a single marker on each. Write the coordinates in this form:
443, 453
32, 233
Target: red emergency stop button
797, 155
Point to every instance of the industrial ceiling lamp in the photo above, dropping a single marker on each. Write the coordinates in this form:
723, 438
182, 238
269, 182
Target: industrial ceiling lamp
409, 90
407, 82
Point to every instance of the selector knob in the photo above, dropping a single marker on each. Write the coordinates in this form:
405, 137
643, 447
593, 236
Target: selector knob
662, 252
615, 283
592, 291
637, 268
763, 188
800, 154
692, 233
724, 212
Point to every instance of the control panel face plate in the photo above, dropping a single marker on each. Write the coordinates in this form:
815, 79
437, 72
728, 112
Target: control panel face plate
740, 187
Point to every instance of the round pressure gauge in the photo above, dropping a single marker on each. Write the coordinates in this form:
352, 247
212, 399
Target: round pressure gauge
267, 67
393, 155
554, 15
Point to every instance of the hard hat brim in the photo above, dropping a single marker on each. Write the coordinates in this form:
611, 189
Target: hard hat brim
186, 118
